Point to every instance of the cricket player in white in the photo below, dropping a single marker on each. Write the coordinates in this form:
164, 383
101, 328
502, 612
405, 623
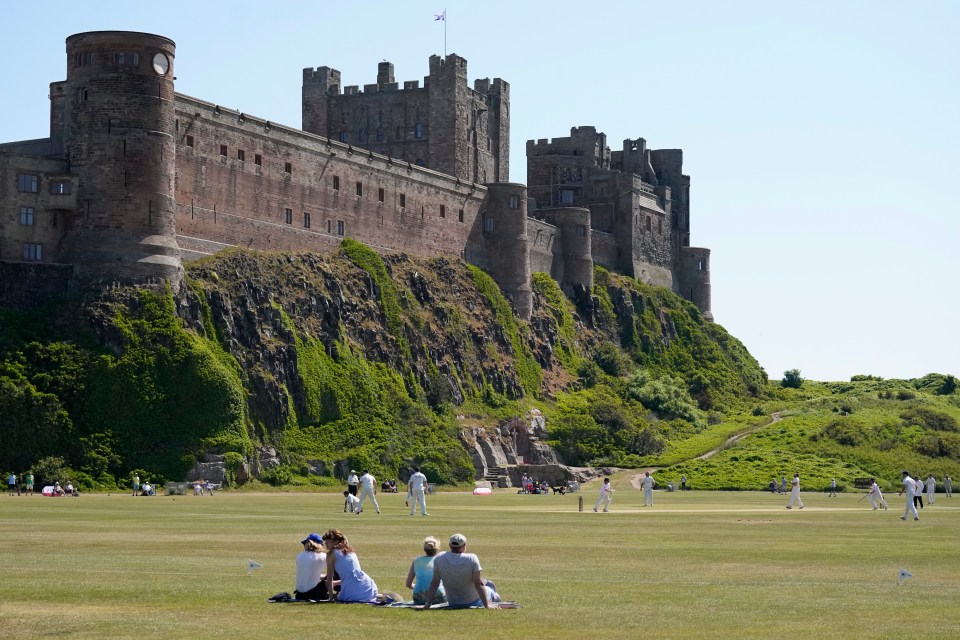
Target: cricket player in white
875, 496
647, 484
368, 489
606, 496
909, 487
416, 489
795, 492
948, 486
931, 489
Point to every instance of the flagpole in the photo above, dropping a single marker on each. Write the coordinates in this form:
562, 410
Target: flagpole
444, 33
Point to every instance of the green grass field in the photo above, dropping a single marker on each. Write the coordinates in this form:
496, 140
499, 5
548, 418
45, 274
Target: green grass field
697, 565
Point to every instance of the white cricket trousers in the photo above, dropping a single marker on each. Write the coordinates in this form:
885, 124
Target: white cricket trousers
911, 508
418, 497
877, 500
795, 497
648, 497
367, 493
604, 499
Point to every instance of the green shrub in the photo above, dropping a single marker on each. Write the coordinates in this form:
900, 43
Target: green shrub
792, 379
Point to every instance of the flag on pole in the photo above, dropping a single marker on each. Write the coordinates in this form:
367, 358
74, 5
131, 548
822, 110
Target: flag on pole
904, 574
251, 565
442, 16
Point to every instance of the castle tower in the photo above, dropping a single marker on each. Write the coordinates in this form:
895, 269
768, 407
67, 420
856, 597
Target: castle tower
505, 243
119, 121
445, 125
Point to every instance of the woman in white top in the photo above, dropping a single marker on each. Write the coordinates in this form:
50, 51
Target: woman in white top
311, 565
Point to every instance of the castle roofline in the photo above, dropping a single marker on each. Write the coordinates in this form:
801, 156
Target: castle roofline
119, 34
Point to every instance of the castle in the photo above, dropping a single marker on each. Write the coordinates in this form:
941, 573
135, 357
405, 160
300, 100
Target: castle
135, 179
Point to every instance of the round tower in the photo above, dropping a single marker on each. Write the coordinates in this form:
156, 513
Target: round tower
119, 140
504, 223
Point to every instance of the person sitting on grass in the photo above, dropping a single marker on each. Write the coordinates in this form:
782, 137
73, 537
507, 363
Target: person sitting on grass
459, 573
421, 573
355, 585
311, 567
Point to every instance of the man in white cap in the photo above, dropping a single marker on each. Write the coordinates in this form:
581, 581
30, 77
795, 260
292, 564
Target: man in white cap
460, 574
353, 482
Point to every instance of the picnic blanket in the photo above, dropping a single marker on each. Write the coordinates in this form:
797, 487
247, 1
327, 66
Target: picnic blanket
385, 601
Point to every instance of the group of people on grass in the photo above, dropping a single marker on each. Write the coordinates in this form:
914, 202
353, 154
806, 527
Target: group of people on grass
913, 487
328, 570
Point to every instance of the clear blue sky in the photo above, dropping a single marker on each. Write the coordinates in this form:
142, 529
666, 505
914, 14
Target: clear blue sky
822, 138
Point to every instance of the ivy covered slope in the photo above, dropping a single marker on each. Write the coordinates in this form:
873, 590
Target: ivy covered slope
296, 367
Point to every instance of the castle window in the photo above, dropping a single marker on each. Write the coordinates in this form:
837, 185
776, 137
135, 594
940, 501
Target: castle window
359, 189
288, 216
460, 215
122, 57
26, 215
60, 187
306, 220
648, 223
257, 159
581, 231
702, 265
380, 195
329, 226
190, 141
27, 183
513, 202
344, 136
443, 211
418, 130
340, 229
381, 136
32, 252
241, 155
287, 167
223, 150
84, 59
488, 224
336, 183
566, 197
403, 200
660, 227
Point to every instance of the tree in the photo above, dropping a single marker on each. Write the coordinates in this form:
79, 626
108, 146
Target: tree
792, 379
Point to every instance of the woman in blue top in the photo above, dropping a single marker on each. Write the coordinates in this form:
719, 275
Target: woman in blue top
355, 585
421, 572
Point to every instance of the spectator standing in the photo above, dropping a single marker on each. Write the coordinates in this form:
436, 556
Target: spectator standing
931, 489
783, 484
909, 487
136, 485
368, 489
948, 486
606, 496
29, 483
833, 488
460, 574
416, 490
648, 482
683, 483
12, 483
795, 492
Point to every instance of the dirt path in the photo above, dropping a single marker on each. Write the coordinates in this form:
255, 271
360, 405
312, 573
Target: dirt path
637, 479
